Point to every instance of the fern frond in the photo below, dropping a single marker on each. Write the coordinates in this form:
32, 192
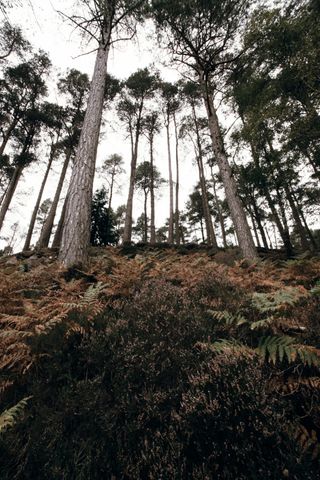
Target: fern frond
315, 291
227, 318
225, 346
10, 417
308, 441
277, 348
272, 302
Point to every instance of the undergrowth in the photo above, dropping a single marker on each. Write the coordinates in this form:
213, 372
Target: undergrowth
160, 366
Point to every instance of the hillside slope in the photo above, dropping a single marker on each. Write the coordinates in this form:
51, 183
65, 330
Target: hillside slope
159, 363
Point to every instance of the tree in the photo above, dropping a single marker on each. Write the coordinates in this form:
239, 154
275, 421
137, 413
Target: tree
103, 231
26, 130
53, 122
74, 87
194, 127
12, 41
138, 88
147, 178
202, 37
151, 127
169, 93
104, 21
112, 167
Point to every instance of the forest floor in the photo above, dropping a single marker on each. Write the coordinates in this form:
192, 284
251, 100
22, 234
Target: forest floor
268, 310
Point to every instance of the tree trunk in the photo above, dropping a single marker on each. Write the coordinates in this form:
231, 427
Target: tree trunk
10, 192
7, 136
177, 211
111, 190
238, 215
127, 233
48, 224
145, 218
37, 205
170, 233
218, 207
254, 225
76, 232
259, 222
211, 237
303, 218
58, 233
152, 215
301, 231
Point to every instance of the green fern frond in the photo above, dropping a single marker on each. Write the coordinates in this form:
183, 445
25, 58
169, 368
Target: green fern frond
91, 295
273, 348
266, 322
316, 289
271, 302
10, 417
224, 346
227, 318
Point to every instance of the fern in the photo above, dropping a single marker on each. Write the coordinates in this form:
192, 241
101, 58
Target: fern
10, 417
272, 302
316, 290
227, 318
273, 348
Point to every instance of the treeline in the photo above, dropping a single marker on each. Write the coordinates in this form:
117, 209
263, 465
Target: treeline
260, 64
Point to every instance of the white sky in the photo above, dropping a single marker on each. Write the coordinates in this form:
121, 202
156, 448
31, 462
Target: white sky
46, 29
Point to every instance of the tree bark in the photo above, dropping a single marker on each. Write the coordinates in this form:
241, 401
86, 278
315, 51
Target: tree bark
48, 224
152, 200
257, 216
301, 231
58, 233
171, 232
7, 135
177, 210
211, 237
145, 217
221, 220
237, 212
127, 233
10, 192
76, 232
37, 205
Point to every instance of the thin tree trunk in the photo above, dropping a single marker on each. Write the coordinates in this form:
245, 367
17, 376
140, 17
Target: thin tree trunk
259, 222
145, 218
311, 237
284, 233
152, 215
211, 237
10, 192
254, 226
48, 224
7, 136
177, 210
301, 231
269, 238
170, 233
202, 230
76, 232
221, 220
37, 205
58, 233
127, 233
238, 215
111, 190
